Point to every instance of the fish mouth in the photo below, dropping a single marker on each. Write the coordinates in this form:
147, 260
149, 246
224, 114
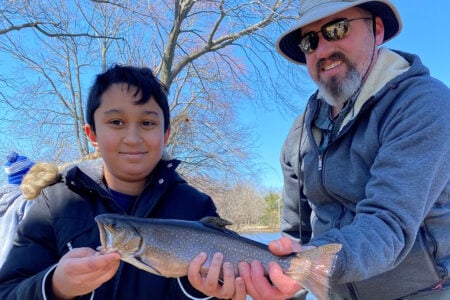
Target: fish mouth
106, 231
102, 232
117, 235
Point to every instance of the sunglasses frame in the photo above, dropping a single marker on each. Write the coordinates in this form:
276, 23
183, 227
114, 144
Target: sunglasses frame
332, 31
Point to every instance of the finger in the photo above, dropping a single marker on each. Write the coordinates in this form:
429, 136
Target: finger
239, 287
282, 282
284, 246
194, 269
99, 269
245, 275
226, 291
75, 275
265, 288
79, 253
212, 278
100, 263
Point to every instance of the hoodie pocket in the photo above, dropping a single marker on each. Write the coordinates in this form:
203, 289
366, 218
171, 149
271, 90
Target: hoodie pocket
416, 272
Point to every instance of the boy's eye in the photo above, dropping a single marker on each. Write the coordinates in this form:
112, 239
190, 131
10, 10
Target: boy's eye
148, 123
116, 122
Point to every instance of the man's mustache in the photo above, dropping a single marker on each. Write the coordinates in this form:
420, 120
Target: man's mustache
334, 56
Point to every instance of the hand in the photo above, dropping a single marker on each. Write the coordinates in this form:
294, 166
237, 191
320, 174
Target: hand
208, 284
282, 286
82, 270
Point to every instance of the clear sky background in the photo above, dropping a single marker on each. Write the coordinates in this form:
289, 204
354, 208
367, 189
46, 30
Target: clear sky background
426, 32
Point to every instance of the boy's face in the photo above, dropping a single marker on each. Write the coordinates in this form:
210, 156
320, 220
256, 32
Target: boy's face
130, 138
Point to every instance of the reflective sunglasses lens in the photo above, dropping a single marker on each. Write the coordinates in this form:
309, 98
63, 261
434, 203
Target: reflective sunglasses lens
309, 42
335, 31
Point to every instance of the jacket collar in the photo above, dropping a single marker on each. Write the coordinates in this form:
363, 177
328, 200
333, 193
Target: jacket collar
389, 65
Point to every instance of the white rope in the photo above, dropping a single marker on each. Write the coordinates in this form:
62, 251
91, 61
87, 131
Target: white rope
189, 296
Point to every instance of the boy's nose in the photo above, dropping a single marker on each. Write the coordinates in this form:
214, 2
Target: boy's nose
133, 135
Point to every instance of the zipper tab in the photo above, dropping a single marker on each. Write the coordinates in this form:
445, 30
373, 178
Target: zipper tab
320, 162
69, 245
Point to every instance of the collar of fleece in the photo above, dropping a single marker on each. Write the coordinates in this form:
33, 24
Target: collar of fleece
388, 66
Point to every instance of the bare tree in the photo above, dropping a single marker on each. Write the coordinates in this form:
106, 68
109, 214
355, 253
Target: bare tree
43, 92
243, 205
15, 17
211, 53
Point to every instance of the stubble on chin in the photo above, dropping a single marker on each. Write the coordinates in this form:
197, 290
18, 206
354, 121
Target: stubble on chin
337, 90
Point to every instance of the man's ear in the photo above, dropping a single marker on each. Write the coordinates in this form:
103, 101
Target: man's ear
91, 135
379, 31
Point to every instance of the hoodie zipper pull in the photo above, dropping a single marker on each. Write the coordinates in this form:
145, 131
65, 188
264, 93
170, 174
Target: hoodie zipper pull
320, 162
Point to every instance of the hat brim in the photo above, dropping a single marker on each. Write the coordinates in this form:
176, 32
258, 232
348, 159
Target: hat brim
288, 43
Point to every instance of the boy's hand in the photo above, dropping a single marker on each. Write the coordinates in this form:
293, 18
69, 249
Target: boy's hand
231, 287
82, 270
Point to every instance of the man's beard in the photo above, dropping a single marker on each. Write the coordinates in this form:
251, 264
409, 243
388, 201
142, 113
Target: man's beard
337, 91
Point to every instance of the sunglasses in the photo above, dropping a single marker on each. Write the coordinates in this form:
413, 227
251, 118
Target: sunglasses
332, 31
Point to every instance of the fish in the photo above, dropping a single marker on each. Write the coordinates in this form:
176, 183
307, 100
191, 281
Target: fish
166, 247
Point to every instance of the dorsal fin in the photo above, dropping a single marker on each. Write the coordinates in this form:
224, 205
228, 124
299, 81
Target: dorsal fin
215, 222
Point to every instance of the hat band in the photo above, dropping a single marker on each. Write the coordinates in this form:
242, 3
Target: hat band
18, 166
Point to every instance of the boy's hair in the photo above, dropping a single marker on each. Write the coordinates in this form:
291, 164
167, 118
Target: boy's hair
141, 78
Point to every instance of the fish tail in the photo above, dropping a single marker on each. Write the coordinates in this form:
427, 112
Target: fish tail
312, 269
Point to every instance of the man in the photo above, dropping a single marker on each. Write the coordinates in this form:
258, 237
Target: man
367, 164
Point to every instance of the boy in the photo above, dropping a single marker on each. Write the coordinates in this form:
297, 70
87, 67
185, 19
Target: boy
128, 123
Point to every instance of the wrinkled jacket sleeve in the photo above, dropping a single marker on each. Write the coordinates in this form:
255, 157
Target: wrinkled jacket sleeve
296, 210
22, 275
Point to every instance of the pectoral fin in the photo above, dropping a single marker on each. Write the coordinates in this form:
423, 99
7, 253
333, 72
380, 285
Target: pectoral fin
141, 263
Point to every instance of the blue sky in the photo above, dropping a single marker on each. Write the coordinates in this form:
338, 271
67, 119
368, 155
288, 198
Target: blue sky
425, 32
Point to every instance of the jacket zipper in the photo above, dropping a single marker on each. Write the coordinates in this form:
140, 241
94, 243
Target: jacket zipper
320, 163
69, 245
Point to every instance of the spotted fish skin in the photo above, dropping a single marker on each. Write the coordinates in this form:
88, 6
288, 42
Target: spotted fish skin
166, 247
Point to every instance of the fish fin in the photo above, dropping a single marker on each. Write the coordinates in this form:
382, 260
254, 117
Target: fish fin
313, 268
215, 222
141, 263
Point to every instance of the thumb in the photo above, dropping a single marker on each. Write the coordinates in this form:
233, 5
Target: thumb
284, 246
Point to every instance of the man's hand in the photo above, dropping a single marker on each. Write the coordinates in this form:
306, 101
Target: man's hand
281, 285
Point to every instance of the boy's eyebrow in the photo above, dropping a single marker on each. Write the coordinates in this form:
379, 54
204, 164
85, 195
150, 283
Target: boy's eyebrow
111, 111
151, 112
115, 111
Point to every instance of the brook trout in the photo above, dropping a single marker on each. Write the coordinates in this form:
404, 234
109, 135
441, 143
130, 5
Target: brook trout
166, 247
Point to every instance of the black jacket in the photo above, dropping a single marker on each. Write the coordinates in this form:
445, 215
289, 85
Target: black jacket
65, 211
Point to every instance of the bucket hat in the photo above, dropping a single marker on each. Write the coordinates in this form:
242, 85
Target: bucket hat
315, 10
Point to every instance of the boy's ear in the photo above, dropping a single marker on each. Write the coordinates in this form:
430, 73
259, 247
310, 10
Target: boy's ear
91, 135
166, 136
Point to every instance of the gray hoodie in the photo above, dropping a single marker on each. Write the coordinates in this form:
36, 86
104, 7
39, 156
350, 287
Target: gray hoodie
381, 188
